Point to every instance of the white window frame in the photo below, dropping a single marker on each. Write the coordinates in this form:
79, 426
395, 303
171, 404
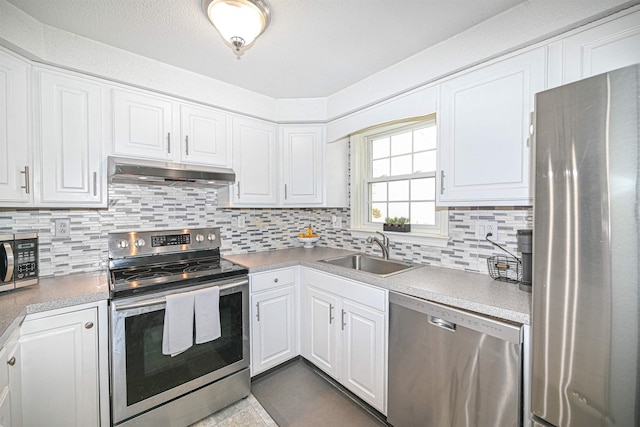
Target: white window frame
361, 227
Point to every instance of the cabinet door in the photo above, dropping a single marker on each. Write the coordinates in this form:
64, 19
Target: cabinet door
60, 370
255, 163
363, 353
609, 46
302, 151
323, 328
71, 141
204, 136
483, 131
5, 407
143, 126
14, 355
15, 156
274, 328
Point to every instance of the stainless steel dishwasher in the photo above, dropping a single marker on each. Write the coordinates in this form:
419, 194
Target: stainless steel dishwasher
450, 368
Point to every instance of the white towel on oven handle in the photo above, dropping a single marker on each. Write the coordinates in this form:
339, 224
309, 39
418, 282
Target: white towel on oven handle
177, 335
207, 307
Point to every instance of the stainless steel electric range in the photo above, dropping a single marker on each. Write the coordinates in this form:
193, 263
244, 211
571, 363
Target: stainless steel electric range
148, 387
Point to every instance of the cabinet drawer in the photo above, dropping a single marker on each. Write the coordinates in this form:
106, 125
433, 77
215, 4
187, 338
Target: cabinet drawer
272, 279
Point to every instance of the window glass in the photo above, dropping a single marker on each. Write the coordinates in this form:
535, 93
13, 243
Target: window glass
399, 190
401, 144
424, 139
401, 165
400, 177
424, 162
380, 168
380, 148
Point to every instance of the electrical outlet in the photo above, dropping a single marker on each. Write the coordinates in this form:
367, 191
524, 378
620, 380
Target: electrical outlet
241, 223
485, 227
338, 222
62, 227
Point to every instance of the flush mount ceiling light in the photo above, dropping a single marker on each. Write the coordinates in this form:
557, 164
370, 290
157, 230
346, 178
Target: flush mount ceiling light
239, 22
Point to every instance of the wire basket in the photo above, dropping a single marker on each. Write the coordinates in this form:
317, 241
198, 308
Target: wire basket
505, 268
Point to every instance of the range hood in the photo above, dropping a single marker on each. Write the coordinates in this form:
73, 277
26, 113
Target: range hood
138, 171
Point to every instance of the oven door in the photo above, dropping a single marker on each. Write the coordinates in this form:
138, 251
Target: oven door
143, 378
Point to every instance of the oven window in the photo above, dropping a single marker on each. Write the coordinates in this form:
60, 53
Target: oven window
149, 372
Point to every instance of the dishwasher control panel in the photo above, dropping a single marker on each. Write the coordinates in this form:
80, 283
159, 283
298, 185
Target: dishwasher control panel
452, 318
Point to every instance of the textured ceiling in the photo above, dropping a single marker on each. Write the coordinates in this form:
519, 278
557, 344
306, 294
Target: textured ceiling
313, 48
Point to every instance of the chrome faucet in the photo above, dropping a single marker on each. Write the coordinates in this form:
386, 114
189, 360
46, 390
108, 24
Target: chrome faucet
384, 244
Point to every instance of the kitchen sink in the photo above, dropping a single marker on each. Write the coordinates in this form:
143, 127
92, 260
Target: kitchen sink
367, 264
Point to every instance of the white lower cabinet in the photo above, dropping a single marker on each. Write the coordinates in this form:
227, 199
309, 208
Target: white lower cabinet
59, 370
274, 321
344, 332
10, 392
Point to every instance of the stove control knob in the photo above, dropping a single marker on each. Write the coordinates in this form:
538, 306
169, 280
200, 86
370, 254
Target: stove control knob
199, 238
123, 244
140, 243
211, 237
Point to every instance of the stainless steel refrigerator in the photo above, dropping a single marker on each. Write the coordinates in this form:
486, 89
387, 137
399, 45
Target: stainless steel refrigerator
585, 322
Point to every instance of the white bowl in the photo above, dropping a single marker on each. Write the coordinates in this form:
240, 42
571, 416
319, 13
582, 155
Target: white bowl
308, 241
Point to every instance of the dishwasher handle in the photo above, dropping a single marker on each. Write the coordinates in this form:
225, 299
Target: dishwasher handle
441, 323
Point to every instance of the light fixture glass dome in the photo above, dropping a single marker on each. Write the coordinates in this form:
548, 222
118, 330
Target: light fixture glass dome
239, 22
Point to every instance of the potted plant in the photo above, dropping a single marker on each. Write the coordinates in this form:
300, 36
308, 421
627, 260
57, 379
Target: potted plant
399, 225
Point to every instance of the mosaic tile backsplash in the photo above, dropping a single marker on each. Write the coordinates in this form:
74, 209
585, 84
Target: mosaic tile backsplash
137, 207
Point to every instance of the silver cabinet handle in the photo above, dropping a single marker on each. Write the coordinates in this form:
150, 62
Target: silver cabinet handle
436, 321
258, 311
275, 280
26, 185
344, 323
330, 313
186, 144
8, 255
95, 184
238, 189
11, 361
285, 191
441, 182
88, 325
169, 142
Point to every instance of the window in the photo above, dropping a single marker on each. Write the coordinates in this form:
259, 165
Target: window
394, 175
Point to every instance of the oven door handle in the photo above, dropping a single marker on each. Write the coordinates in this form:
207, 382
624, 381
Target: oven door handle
163, 300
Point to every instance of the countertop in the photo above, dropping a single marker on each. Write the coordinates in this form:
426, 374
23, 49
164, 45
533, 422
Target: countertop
49, 294
468, 291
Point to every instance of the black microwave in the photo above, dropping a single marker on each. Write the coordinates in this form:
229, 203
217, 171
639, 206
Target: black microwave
18, 260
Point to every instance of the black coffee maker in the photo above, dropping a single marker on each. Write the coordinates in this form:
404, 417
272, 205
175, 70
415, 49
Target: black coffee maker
525, 247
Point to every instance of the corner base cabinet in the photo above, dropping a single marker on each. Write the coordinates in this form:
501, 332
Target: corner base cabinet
274, 321
344, 333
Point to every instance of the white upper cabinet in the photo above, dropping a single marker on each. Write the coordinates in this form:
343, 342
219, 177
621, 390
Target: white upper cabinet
611, 45
15, 145
302, 151
203, 136
70, 141
255, 162
483, 131
155, 127
277, 171
142, 125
